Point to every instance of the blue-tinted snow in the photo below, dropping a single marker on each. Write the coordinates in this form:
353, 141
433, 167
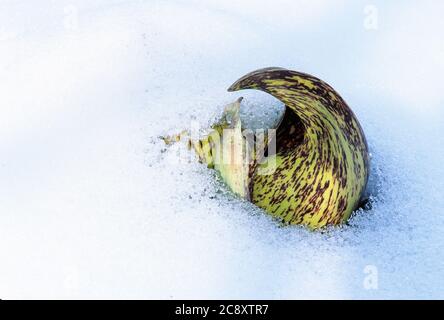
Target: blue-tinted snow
91, 206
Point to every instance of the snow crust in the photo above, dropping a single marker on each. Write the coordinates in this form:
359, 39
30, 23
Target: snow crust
92, 205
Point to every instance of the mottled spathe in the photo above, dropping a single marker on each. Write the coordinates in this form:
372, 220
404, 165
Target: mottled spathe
322, 154
320, 163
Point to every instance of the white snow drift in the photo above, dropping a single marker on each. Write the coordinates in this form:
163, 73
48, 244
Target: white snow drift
91, 205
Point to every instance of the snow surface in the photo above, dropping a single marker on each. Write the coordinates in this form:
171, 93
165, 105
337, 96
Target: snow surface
92, 206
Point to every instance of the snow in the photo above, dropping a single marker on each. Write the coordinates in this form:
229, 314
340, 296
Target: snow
93, 206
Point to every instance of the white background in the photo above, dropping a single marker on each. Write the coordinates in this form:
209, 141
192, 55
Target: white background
91, 208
